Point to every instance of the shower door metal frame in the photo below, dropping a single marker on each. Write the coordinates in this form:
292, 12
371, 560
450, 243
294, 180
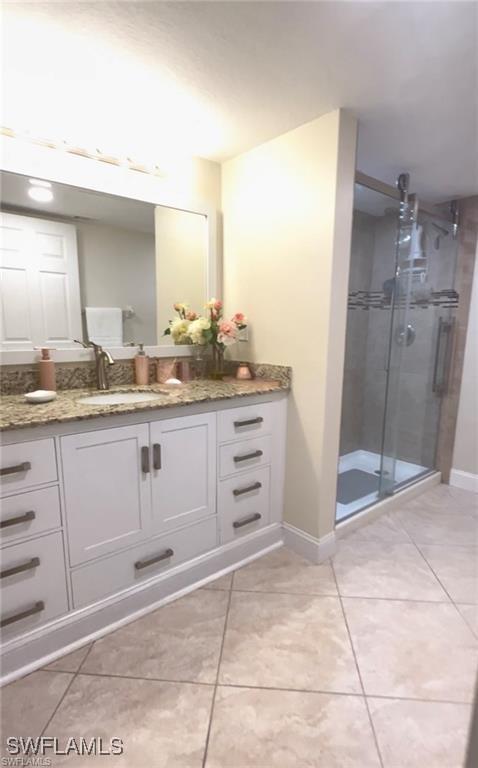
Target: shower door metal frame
387, 189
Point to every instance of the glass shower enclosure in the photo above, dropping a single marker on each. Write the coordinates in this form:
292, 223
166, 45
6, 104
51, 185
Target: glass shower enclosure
399, 343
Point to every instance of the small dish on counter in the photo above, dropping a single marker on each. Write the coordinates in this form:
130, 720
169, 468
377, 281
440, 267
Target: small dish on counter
40, 396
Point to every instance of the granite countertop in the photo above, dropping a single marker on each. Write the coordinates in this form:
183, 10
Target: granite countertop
16, 413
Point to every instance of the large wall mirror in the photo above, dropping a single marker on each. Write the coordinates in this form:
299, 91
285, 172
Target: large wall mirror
80, 264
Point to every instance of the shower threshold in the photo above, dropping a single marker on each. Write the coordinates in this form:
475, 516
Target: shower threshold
358, 486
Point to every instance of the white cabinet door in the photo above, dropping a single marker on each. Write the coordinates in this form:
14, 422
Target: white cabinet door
107, 490
183, 470
40, 290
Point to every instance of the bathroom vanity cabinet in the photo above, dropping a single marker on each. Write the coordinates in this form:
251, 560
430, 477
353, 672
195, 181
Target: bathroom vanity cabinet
103, 518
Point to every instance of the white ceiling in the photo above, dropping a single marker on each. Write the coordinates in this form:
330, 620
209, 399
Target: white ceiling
217, 78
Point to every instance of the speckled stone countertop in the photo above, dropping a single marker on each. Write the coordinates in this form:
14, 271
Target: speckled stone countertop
16, 413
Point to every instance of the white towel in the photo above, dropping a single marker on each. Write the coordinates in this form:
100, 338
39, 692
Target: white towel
105, 325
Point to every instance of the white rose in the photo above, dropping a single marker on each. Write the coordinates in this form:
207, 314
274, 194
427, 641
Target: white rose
197, 328
179, 330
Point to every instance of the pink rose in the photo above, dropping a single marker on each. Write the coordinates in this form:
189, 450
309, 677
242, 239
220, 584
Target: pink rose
227, 327
218, 305
239, 319
191, 315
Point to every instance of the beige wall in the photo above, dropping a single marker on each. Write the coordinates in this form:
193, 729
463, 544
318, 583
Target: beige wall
465, 456
287, 208
181, 263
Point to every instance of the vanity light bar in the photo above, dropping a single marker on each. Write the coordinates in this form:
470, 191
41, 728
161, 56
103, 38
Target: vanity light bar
91, 154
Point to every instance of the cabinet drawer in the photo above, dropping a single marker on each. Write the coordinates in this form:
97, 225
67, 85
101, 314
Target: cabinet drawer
244, 504
37, 585
246, 421
28, 514
244, 455
125, 569
24, 465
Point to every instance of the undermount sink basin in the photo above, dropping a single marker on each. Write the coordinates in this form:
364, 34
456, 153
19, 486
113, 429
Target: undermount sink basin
119, 398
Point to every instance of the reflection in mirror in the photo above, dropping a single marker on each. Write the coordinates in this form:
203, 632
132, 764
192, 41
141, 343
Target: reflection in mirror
181, 248
81, 264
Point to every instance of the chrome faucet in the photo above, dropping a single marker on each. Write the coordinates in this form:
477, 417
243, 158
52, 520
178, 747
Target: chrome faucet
102, 359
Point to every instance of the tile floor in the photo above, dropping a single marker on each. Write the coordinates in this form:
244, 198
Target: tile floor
367, 661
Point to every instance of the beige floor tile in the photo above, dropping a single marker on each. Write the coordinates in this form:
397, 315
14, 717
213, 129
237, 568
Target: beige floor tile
417, 734
431, 526
457, 569
470, 614
28, 703
161, 724
383, 569
71, 661
412, 649
285, 729
180, 641
284, 571
288, 641
385, 528
223, 582
445, 498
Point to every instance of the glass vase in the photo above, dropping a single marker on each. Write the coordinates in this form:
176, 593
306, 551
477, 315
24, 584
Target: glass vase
217, 363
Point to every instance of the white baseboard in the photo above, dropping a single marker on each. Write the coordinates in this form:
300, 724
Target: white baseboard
315, 550
465, 480
41, 646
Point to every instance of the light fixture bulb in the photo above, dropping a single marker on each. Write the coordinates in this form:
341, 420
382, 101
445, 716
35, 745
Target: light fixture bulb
40, 183
40, 194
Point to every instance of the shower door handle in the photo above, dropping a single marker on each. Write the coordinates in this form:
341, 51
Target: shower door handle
443, 356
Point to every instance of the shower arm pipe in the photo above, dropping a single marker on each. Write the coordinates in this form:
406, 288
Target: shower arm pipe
390, 191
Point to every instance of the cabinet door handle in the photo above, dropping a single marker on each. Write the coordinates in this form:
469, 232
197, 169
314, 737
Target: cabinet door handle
23, 467
36, 608
248, 422
245, 456
18, 519
156, 456
33, 563
246, 520
253, 487
145, 459
152, 560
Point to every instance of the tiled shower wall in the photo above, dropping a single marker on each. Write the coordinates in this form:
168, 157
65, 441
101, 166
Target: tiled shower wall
368, 334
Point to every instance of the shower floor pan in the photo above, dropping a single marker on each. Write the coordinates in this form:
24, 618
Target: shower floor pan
358, 480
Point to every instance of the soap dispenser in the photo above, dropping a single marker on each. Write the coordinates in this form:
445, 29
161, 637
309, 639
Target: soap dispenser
141, 366
47, 371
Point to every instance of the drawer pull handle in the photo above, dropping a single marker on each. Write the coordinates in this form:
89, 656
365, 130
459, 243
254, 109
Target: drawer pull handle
156, 456
246, 456
253, 487
17, 520
23, 467
145, 459
246, 520
37, 608
152, 560
33, 563
248, 422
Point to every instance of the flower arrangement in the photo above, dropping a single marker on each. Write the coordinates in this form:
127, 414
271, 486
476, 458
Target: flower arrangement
209, 329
